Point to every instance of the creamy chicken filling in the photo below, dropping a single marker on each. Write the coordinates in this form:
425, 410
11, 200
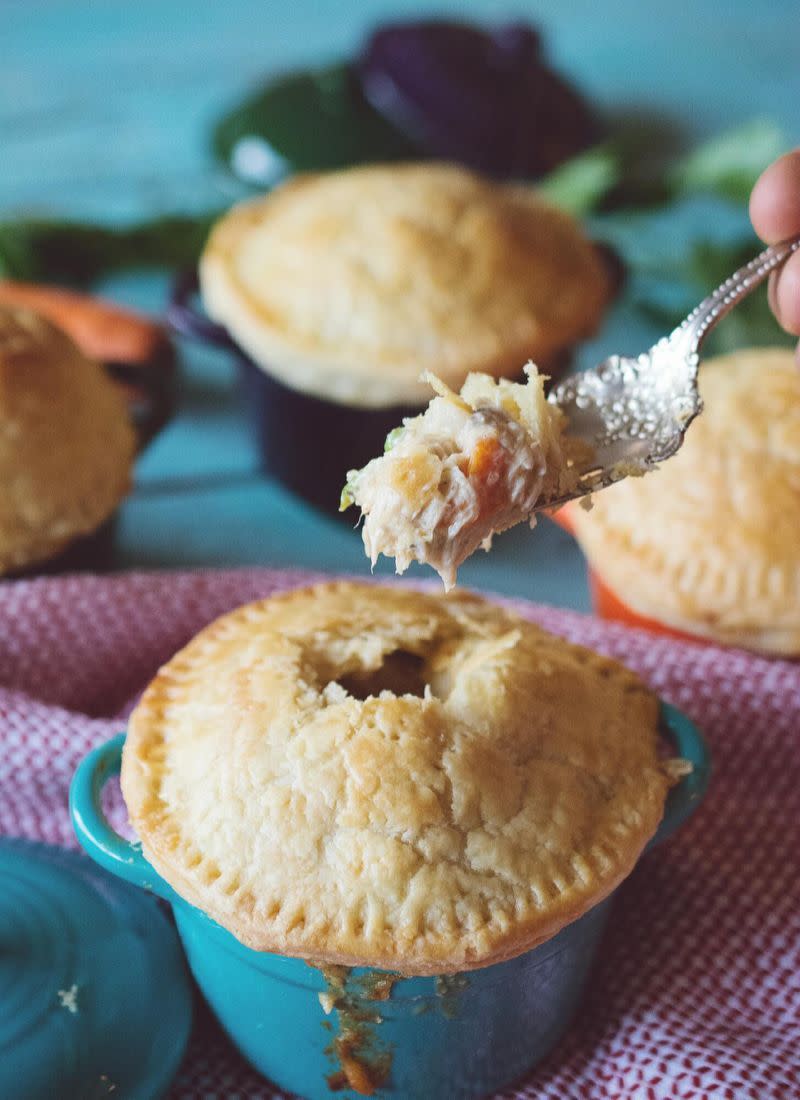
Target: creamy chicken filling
449, 479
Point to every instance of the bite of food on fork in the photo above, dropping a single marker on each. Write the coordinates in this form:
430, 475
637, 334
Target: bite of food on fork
479, 461
472, 464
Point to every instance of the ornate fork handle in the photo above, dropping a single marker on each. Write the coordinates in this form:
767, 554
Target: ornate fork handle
721, 301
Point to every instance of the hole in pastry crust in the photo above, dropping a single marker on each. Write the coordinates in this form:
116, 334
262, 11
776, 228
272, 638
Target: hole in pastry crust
401, 673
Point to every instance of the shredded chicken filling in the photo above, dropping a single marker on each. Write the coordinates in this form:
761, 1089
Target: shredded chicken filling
449, 480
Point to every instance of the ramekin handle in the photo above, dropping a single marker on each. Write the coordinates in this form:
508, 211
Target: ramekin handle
184, 319
101, 842
685, 796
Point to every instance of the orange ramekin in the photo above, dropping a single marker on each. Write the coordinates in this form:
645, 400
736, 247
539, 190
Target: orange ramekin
606, 604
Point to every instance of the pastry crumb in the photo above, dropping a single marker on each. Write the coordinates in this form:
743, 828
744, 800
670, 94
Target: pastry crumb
676, 768
68, 998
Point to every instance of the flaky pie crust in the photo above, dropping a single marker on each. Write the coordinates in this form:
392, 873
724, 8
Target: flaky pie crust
710, 542
350, 284
66, 442
417, 834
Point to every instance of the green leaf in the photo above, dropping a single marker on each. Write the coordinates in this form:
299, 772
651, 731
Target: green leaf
706, 266
647, 144
640, 167
76, 253
581, 183
729, 165
305, 121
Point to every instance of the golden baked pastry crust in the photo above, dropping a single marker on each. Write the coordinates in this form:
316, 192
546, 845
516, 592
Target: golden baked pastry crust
422, 834
350, 284
66, 443
710, 542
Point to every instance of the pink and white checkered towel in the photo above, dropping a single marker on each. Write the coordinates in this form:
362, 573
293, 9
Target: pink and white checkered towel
697, 991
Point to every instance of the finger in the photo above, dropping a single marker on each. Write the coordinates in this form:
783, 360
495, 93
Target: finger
772, 292
785, 297
775, 201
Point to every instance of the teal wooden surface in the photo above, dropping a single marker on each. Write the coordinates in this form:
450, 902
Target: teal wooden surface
104, 113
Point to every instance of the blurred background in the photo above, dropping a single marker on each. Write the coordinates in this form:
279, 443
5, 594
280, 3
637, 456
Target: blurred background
114, 114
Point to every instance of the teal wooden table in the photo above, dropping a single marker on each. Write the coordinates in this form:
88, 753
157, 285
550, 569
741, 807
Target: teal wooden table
104, 113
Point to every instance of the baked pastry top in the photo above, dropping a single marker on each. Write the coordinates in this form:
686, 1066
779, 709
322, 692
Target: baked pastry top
351, 284
375, 776
66, 442
710, 542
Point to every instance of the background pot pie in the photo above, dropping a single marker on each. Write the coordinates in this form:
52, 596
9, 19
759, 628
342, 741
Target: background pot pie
348, 285
709, 544
370, 776
66, 443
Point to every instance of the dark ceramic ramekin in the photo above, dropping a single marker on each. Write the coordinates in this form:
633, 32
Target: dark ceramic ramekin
92, 553
305, 442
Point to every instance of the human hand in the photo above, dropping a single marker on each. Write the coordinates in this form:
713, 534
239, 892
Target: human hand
775, 214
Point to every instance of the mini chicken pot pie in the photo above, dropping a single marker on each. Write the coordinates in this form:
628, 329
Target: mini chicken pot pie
66, 443
709, 544
367, 776
345, 287
348, 285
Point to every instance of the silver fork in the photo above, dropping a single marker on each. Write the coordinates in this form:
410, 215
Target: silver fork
634, 413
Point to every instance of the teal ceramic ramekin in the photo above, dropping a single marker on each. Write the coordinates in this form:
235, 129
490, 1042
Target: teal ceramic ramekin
361, 1032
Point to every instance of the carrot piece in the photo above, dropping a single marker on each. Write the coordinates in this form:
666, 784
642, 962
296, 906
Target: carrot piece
484, 459
487, 468
103, 331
